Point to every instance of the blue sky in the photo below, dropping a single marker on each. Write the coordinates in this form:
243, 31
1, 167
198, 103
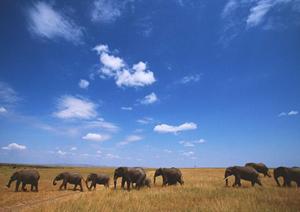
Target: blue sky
150, 83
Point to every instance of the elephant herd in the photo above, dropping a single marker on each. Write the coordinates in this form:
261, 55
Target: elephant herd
250, 172
135, 177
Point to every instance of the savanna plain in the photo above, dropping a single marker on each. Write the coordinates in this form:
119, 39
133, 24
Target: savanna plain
204, 190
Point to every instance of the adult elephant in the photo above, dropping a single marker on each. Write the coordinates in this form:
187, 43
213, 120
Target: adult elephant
25, 176
135, 175
288, 175
260, 168
242, 172
102, 179
67, 177
170, 176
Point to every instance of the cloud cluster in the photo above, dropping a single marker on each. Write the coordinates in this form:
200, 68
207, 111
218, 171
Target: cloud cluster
7, 94
165, 128
83, 84
115, 67
14, 146
45, 22
95, 137
75, 107
131, 139
291, 113
190, 78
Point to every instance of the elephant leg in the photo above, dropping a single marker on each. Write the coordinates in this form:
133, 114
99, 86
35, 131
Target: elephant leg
128, 185
81, 189
123, 183
75, 186
31, 189
258, 182
24, 187
17, 185
62, 185
95, 184
164, 181
36, 187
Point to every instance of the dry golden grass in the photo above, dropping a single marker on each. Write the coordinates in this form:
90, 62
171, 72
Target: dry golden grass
203, 190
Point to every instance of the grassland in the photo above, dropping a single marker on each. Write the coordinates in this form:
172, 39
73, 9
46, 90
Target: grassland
203, 190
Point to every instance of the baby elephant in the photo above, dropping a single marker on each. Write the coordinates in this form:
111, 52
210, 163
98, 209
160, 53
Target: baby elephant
67, 177
102, 179
245, 173
25, 177
147, 182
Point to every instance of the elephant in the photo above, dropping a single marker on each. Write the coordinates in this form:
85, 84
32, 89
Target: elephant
25, 176
67, 177
288, 174
135, 175
147, 182
242, 172
170, 176
102, 179
260, 167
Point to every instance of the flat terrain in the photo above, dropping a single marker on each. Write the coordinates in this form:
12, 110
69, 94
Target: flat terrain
203, 190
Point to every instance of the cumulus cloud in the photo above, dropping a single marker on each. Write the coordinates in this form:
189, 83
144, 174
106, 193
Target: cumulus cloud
83, 83
115, 67
60, 152
149, 99
48, 23
3, 110
165, 128
95, 137
75, 107
14, 146
291, 113
126, 108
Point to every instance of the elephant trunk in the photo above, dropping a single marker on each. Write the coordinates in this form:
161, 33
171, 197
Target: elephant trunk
54, 181
8, 184
276, 179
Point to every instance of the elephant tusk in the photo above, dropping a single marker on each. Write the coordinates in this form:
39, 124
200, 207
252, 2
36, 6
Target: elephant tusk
226, 178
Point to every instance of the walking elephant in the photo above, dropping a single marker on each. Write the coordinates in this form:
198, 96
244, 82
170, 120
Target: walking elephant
102, 179
170, 176
67, 177
260, 167
288, 174
242, 172
135, 175
25, 176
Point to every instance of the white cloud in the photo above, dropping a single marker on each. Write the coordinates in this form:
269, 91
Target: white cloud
45, 22
3, 110
229, 7
149, 99
131, 139
101, 124
75, 107
190, 78
108, 11
95, 137
145, 120
83, 83
99, 152
258, 12
291, 113
112, 156
14, 146
73, 148
164, 128
7, 94
192, 143
126, 108
60, 152
111, 62
115, 67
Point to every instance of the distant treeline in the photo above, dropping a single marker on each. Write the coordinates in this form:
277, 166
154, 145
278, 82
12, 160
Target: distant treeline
23, 165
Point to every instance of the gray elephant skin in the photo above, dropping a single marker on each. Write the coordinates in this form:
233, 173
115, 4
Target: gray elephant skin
170, 176
101, 179
67, 177
260, 168
129, 175
242, 172
25, 177
288, 175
